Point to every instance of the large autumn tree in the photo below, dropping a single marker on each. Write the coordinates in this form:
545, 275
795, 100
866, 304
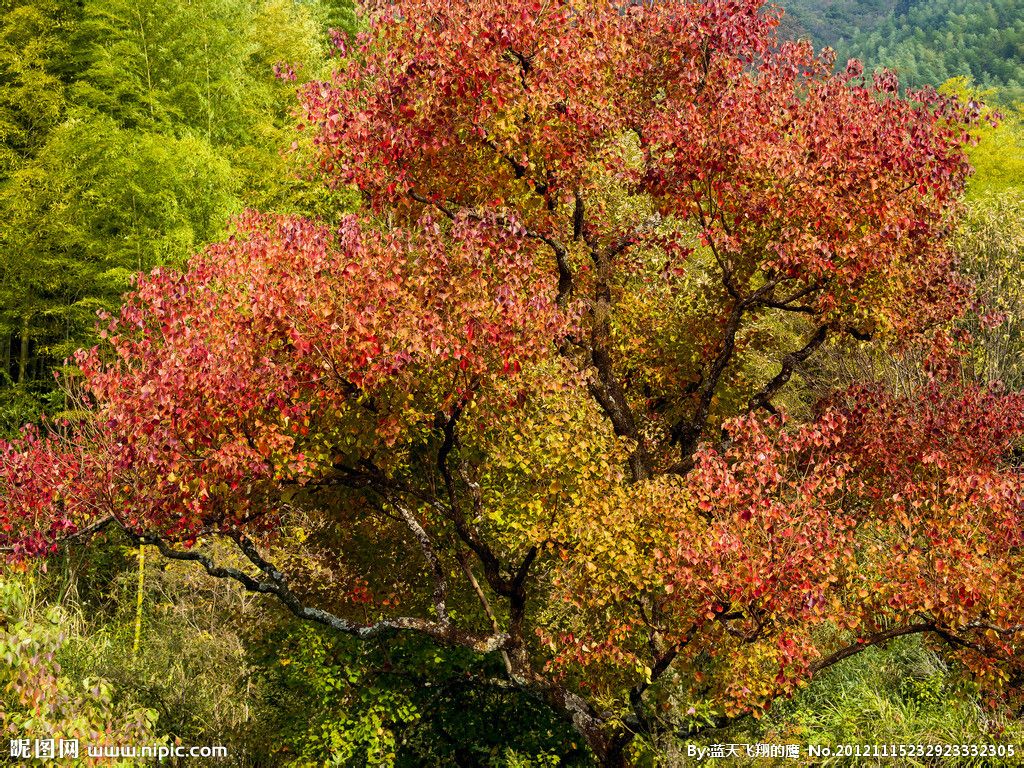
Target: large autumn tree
551, 396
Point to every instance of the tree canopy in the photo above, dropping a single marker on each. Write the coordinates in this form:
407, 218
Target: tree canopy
550, 396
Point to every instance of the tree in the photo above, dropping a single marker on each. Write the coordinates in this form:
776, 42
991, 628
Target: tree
997, 149
37, 66
521, 405
130, 130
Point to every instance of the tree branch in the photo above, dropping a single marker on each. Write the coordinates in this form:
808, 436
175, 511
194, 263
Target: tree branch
466, 532
430, 554
763, 398
607, 391
275, 583
867, 642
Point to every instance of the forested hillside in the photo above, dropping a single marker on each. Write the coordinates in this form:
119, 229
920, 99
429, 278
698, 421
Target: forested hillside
926, 41
935, 40
827, 22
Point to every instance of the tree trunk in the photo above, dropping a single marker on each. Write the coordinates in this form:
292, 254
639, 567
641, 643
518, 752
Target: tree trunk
5, 355
615, 751
23, 359
608, 749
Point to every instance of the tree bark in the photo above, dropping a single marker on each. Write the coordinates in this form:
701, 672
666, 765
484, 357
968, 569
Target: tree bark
615, 754
609, 749
6, 353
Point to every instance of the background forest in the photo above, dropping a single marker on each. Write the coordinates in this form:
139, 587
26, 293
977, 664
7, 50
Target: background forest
131, 131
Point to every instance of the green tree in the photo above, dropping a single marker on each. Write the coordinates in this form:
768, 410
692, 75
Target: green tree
35, 69
131, 130
997, 148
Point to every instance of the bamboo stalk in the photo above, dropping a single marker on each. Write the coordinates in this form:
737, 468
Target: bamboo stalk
138, 601
23, 357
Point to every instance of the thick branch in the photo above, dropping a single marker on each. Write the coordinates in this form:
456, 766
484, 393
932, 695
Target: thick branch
763, 398
578, 214
607, 391
430, 554
687, 432
467, 569
871, 640
275, 583
801, 308
466, 532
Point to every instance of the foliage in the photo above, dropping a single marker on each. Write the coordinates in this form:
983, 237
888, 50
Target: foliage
997, 142
525, 406
905, 693
992, 249
988, 240
403, 702
159, 119
211, 669
37, 65
39, 700
190, 668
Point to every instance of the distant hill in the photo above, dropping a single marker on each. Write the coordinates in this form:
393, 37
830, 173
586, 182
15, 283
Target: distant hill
826, 22
926, 41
